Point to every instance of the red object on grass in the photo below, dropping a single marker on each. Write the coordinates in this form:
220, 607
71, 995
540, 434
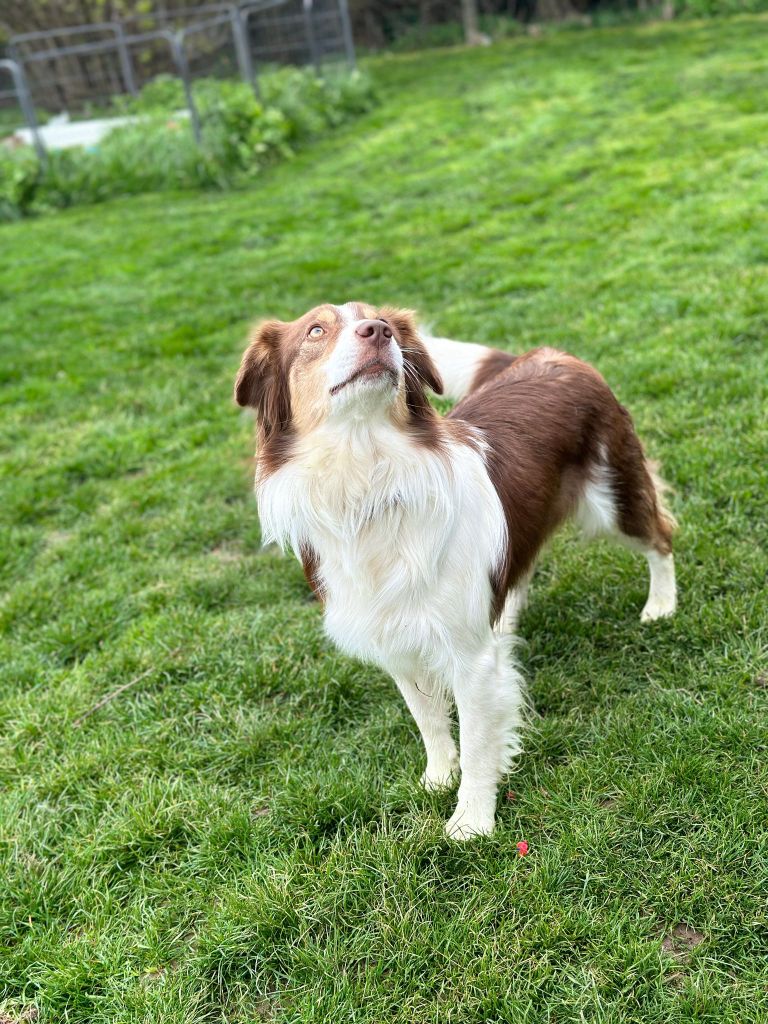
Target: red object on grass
522, 848
510, 795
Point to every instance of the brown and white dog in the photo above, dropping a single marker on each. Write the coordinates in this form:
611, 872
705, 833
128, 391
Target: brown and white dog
419, 532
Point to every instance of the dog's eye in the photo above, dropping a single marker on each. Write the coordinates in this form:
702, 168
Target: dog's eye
316, 332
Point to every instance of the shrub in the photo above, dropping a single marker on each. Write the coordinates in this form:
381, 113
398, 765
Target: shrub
157, 151
19, 177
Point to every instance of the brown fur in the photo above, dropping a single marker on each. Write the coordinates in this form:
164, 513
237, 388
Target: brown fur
546, 419
277, 368
262, 384
310, 564
495, 362
420, 372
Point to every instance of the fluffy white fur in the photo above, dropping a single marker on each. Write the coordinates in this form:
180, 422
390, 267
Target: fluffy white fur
406, 541
458, 362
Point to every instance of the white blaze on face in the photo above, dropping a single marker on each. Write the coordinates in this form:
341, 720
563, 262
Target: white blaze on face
348, 312
350, 353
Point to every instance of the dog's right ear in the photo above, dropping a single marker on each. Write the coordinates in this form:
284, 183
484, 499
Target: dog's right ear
261, 382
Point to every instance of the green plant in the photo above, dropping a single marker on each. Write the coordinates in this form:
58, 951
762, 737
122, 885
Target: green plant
165, 93
240, 135
19, 178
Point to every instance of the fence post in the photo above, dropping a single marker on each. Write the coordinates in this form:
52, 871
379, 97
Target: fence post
244, 14
346, 29
309, 29
27, 106
242, 47
176, 39
126, 67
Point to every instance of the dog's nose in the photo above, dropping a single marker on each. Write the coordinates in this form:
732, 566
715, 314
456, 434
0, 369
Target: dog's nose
375, 331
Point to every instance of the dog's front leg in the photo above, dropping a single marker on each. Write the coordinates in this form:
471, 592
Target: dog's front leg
428, 702
489, 700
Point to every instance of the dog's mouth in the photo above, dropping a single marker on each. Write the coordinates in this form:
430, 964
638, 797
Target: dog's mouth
373, 368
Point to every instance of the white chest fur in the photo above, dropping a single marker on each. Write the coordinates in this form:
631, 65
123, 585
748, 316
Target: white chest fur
406, 538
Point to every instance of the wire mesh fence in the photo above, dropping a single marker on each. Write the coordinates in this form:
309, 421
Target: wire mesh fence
299, 33
68, 68
80, 70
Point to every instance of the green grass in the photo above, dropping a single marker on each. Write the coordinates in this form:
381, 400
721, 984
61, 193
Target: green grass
239, 835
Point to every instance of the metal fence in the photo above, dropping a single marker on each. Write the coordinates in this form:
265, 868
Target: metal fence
21, 92
81, 69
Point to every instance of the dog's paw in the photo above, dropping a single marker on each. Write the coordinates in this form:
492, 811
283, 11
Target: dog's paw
438, 778
465, 823
442, 769
658, 608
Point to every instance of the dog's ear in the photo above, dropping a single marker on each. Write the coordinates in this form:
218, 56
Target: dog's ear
414, 352
261, 381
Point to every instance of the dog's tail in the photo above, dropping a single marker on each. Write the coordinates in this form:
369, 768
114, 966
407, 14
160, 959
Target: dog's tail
662, 488
463, 365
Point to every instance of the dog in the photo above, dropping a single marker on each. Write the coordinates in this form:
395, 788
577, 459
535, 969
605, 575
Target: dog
419, 532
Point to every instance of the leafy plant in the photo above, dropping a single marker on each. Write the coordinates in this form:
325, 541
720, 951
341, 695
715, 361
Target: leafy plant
19, 175
157, 149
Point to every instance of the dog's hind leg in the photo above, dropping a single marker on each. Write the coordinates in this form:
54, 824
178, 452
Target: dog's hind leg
646, 524
662, 594
429, 704
624, 499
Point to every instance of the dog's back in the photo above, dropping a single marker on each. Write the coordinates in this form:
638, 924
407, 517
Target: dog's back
560, 445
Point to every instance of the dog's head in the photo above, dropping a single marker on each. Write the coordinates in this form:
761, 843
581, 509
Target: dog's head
351, 361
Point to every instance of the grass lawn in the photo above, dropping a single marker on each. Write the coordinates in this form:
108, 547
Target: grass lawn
239, 835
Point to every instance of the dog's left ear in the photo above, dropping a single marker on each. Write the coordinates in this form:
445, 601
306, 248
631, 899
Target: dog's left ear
261, 382
414, 351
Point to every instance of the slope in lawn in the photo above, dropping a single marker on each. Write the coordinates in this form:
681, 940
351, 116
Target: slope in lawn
238, 836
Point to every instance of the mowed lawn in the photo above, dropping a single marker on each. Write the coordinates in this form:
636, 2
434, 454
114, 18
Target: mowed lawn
238, 835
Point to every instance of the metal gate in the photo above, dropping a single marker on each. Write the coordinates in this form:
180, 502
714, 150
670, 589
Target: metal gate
82, 68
